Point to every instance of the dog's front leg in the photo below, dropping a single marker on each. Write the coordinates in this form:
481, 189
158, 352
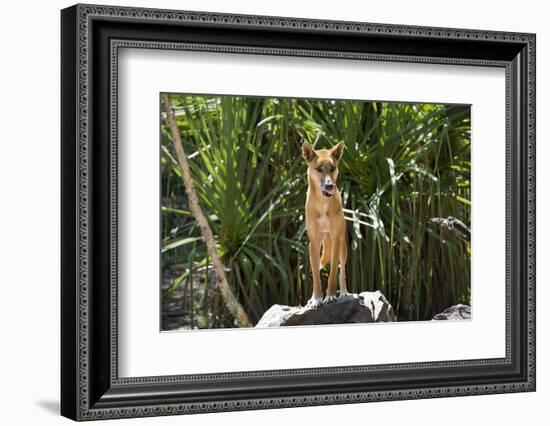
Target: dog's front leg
342, 277
314, 255
334, 258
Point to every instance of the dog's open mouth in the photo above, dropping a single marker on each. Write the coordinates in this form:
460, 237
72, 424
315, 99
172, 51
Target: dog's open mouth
329, 190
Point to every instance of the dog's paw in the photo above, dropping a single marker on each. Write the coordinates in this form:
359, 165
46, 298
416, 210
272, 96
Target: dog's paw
345, 296
329, 299
314, 303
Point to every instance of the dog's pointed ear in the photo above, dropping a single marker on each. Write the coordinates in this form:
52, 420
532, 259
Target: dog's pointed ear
337, 150
308, 152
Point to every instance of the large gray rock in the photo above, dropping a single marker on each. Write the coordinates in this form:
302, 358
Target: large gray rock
358, 308
456, 312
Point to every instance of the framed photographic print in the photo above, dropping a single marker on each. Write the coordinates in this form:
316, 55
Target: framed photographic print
263, 212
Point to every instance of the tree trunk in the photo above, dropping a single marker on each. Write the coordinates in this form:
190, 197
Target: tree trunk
230, 300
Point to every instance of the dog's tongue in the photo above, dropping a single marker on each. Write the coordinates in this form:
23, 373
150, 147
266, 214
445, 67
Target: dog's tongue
330, 189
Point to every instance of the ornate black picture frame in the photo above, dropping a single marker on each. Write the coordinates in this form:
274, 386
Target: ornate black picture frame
90, 385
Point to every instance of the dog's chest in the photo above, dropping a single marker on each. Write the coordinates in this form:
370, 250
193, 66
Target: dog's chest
323, 220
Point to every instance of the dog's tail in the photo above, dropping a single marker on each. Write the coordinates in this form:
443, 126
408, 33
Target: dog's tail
325, 257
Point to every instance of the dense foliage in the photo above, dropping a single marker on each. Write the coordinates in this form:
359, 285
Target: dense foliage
403, 165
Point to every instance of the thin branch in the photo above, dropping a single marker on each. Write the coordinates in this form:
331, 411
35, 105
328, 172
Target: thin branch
455, 225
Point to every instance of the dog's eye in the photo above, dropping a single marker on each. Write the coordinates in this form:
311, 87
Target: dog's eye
319, 169
332, 169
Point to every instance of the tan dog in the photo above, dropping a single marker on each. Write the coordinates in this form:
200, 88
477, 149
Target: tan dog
325, 221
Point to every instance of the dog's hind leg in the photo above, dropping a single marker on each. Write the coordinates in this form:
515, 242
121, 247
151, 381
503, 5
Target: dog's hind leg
343, 258
325, 258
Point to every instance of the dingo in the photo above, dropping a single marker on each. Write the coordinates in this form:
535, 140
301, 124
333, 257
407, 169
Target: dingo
325, 221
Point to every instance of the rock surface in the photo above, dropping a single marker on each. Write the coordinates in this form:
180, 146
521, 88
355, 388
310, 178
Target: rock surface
358, 308
456, 312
